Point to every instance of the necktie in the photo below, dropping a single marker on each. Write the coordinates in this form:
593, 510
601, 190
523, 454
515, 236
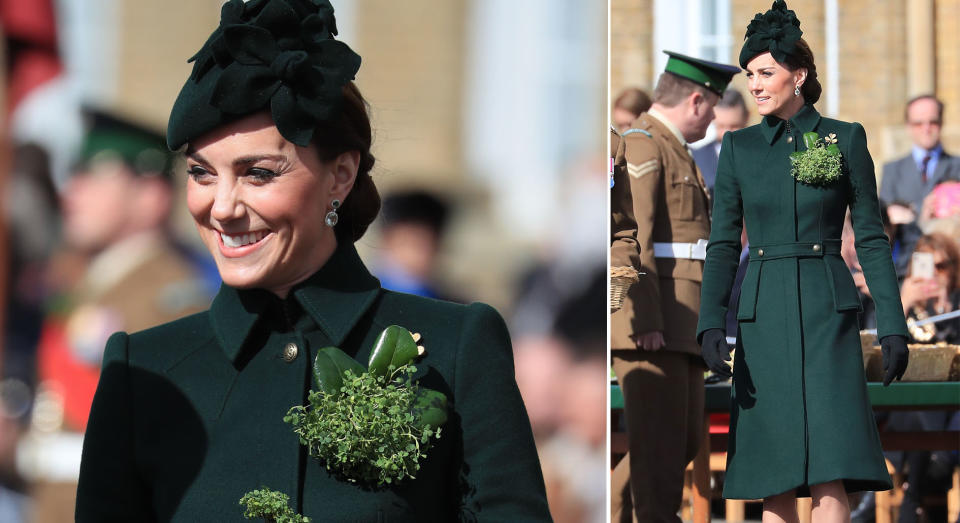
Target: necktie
923, 168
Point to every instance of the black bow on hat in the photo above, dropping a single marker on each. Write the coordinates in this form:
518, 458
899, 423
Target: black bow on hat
266, 54
776, 31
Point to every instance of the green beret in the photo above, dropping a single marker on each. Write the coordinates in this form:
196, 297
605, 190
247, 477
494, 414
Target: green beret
276, 55
776, 31
112, 138
712, 75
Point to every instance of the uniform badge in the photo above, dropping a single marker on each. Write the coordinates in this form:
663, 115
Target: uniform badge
640, 170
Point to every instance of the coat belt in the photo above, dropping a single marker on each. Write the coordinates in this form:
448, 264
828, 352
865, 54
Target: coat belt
773, 251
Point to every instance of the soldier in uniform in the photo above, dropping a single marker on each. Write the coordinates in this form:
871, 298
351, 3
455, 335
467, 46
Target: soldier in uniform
116, 208
661, 223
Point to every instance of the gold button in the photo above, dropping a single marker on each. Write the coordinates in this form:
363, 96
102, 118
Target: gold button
760, 252
290, 352
789, 139
686, 178
816, 247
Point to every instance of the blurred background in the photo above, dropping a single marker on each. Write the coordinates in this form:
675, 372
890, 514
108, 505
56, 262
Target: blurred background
489, 120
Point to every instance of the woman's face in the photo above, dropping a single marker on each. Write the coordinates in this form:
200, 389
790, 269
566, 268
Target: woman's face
259, 203
943, 271
772, 86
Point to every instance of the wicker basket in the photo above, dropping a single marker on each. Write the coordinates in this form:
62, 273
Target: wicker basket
928, 362
621, 278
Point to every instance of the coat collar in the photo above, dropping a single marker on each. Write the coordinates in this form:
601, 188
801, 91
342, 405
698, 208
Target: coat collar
335, 297
804, 121
658, 125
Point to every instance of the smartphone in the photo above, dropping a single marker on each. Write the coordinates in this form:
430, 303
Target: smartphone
921, 265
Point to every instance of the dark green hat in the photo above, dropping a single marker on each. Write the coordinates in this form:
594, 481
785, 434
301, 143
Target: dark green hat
776, 31
276, 55
712, 75
113, 138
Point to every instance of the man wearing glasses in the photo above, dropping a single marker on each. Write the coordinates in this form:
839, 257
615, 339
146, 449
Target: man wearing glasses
908, 180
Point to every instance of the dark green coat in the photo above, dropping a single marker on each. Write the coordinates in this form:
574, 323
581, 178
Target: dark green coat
188, 416
800, 413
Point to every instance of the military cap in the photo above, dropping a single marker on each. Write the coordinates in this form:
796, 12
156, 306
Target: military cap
267, 55
114, 138
712, 75
776, 31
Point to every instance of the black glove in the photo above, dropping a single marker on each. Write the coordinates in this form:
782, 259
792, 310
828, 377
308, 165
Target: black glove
895, 354
716, 352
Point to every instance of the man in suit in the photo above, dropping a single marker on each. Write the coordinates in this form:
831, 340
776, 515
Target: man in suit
731, 114
908, 180
660, 225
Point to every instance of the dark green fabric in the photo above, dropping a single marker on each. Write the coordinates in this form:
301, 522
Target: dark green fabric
800, 412
188, 415
712, 75
276, 55
776, 31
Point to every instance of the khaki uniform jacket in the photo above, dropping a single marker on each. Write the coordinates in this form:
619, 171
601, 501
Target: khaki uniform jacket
658, 196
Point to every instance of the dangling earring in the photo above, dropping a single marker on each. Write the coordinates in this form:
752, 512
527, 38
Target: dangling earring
796, 90
332, 218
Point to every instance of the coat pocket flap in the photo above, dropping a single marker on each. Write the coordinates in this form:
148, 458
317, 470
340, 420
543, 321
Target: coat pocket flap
747, 308
845, 296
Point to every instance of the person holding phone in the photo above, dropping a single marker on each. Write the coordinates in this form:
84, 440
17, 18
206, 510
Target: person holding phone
931, 288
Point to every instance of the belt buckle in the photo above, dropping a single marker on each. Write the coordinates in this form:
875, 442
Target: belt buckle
698, 251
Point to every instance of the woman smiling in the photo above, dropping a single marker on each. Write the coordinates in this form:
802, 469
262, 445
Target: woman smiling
189, 417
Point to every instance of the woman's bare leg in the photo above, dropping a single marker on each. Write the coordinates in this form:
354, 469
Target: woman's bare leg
830, 503
781, 508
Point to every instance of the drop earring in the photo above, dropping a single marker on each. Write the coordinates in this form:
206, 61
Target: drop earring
796, 90
332, 218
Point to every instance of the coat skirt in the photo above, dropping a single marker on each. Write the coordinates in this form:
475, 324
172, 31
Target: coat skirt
800, 414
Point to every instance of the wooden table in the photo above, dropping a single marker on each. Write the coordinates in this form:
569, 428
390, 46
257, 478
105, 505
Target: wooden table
898, 396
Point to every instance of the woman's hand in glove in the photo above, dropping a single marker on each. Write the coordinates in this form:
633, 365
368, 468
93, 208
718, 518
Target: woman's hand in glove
716, 352
895, 354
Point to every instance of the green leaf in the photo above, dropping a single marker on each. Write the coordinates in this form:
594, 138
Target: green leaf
394, 347
833, 149
430, 408
329, 367
810, 139
326, 374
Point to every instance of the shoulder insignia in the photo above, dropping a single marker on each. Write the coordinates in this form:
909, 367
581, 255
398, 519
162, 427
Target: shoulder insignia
639, 170
632, 131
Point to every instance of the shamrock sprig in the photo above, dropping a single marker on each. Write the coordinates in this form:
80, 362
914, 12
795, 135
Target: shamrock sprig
820, 164
271, 506
370, 425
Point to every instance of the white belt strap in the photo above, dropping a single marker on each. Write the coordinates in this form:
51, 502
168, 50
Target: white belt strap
687, 251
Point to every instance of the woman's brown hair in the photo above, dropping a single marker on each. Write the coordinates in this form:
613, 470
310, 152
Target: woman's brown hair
350, 130
803, 58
